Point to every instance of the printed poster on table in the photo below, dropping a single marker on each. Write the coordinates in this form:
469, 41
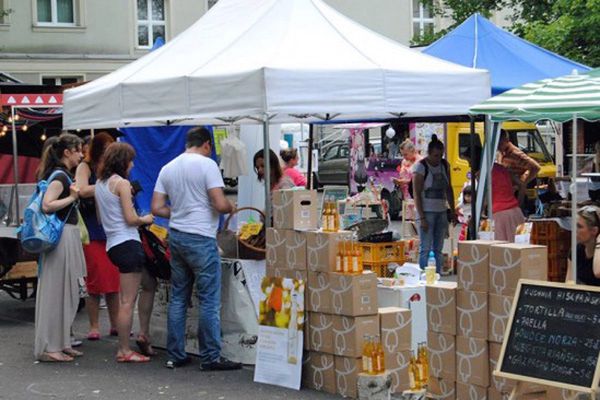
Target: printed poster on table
280, 333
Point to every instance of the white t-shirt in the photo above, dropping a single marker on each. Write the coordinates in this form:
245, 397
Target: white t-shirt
187, 180
435, 187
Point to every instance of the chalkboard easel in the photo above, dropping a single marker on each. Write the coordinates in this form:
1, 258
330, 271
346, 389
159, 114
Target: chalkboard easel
553, 338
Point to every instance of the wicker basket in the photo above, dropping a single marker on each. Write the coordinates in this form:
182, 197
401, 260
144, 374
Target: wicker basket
234, 247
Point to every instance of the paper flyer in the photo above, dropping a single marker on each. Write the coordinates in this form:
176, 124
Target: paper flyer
280, 333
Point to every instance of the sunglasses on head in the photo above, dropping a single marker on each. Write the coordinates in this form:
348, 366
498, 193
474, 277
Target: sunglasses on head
591, 212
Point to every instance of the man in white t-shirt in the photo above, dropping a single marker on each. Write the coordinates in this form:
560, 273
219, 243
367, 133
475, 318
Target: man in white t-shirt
189, 192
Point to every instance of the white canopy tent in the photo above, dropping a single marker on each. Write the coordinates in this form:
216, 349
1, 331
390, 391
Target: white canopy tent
255, 61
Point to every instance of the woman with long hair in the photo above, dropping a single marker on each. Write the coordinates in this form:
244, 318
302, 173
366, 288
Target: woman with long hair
278, 179
588, 247
290, 158
114, 199
102, 275
62, 268
434, 201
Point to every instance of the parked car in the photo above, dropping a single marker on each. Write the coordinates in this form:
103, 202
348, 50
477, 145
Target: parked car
334, 165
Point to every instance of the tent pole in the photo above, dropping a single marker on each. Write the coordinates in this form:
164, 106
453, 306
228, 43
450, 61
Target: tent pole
489, 133
15, 165
474, 224
309, 178
267, 169
574, 201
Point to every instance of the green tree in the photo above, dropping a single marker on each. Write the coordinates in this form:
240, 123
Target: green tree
572, 29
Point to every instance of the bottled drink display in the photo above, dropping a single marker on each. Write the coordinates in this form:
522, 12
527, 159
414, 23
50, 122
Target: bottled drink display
378, 356
431, 260
423, 356
414, 374
349, 257
330, 217
367, 356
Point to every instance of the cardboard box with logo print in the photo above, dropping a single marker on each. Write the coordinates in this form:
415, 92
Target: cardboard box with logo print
472, 314
500, 384
319, 372
511, 262
441, 307
472, 361
295, 250
322, 248
349, 334
396, 329
473, 264
442, 355
295, 209
275, 250
493, 394
353, 295
499, 312
295, 274
398, 365
346, 376
319, 292
442, 389
471, 392
321, 332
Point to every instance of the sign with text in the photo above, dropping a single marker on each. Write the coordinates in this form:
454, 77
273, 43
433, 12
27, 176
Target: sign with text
553, 336
280, 334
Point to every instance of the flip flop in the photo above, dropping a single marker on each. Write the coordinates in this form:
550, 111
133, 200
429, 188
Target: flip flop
46, 357
145, 347
132, 357
93, 336
114, 332
72, 353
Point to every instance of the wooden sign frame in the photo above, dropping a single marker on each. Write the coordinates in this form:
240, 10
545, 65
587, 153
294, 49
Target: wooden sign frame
521, 378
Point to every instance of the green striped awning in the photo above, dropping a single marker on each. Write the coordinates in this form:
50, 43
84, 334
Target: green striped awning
558, 99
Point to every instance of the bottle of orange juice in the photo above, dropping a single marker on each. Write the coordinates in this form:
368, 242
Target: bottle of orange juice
380, 356
346, 261
367, 360
336, 215
424, 356
339, 259
325, 217
414, 375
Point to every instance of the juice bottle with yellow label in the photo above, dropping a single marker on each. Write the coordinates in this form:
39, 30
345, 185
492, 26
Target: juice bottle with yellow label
339, 259
380, 356
367, 360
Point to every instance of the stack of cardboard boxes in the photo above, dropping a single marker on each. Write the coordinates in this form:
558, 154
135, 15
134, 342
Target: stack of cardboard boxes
467, 320
396, 338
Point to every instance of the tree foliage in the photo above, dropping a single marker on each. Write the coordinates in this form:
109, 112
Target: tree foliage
568, 27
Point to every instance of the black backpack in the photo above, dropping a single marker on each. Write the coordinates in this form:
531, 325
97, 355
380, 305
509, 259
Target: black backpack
446, 168
157, 253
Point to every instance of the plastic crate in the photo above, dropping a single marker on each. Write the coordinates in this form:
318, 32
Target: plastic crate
380, 269
383, 252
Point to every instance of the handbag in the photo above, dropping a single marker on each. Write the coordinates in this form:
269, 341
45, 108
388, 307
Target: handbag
84, 234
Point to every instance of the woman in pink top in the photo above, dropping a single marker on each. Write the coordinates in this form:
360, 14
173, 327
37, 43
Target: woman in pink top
290, 158
409, 158
507, 213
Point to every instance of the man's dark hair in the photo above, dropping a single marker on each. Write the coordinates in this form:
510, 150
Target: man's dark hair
196, 137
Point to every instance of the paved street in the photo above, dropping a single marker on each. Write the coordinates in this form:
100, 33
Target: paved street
98, 376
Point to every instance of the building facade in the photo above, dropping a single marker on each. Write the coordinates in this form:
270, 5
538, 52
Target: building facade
65, 41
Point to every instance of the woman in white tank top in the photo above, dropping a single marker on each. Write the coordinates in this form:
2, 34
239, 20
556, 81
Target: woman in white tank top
120, 222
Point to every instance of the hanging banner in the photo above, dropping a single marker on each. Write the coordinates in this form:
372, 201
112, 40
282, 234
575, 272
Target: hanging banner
421, 133
358, 161
53, 99
280, 334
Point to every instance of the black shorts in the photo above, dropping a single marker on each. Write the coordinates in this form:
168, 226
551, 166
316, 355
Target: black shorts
128, 256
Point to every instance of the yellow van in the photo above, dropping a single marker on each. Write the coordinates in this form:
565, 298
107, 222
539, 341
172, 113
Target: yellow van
523, 135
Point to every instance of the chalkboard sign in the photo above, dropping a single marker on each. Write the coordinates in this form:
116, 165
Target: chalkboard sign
553, 336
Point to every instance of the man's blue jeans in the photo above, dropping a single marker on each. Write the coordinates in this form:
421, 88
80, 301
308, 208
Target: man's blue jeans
433, 239
194, 258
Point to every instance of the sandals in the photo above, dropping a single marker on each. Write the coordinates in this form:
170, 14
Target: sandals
132, 357
72, 353
114, 332
93, 336
55, 357
145, 347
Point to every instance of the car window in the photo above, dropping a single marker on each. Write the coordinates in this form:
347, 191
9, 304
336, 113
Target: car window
331, 153
464, 143
344, 152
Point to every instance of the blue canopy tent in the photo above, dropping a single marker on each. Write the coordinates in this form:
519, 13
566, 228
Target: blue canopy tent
511, 61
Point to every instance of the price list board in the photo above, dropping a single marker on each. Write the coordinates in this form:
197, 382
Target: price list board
553, 336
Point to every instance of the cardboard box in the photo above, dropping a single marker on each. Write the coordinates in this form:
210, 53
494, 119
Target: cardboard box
511, 262
319, 292
346, 376
306, 331
500, 384
471, 392
295, 250
320, 372
295, 209
274, 271
499, 309
472, 314
275, 256
397, 365
473, 264
322, 247
396, 329
349, 334
321, 332
294, 274
354, 295
472, 361
441, 307
442, 389
442, 355
494, 394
